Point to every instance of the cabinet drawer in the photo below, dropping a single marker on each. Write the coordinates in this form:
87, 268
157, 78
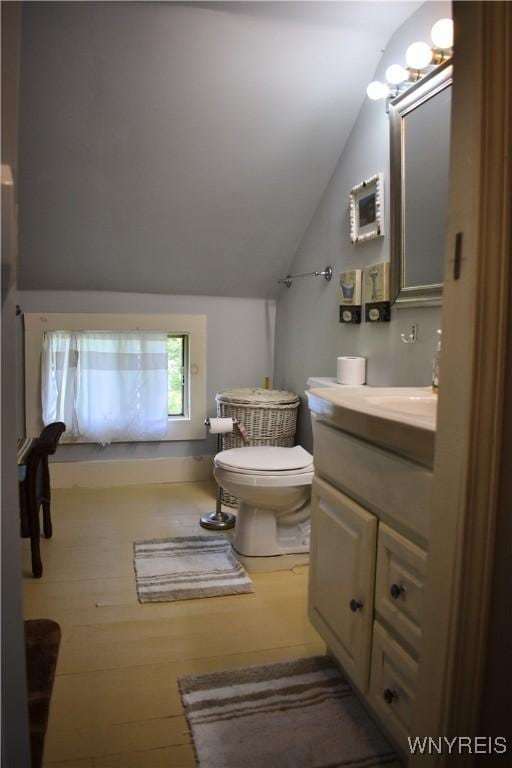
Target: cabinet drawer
399, 585
393, 685
341, 578
396, 489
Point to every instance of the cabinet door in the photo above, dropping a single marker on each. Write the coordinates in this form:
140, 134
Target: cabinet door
393, 685
341, 580
399, 586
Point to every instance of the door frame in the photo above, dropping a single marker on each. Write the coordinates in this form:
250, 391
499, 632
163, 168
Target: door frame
15, 745
477, 350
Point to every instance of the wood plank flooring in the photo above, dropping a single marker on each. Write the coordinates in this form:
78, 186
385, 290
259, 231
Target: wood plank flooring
115, 702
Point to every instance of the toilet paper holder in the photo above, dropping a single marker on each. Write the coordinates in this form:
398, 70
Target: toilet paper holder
218, 520
207, 421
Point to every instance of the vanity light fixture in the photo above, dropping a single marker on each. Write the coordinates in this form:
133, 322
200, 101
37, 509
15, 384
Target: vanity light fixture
418, 55
420, 59
377, 90
396, 74
441, 34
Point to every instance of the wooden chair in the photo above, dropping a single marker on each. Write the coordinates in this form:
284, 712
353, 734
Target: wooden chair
35, 491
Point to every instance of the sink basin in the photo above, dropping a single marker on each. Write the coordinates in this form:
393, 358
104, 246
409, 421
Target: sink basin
400, 419
422, 406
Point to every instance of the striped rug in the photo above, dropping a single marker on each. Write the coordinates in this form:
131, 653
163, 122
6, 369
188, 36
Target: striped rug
297, 714
187, 567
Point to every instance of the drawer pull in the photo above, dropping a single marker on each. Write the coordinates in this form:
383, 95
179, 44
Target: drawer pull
396, 590
390, 696
355, 605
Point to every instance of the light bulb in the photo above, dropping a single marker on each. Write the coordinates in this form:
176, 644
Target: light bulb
377, 90
418, 55
395, 74
442, 34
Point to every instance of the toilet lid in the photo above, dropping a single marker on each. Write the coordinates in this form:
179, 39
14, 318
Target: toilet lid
265, 458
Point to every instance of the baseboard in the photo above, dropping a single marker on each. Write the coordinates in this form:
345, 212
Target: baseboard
108, 474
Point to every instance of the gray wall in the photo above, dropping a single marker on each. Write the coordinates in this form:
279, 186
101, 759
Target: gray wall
179, 148
308, 334
240, 352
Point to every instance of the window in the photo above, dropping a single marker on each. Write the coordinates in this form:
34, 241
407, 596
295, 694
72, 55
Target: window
117, 378
177, 370
106, 385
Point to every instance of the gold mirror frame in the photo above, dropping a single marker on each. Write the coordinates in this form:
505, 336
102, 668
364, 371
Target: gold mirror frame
424, 89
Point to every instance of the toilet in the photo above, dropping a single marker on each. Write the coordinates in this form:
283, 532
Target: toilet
273, 487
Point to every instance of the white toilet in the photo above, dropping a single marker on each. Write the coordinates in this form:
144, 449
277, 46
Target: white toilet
273, 487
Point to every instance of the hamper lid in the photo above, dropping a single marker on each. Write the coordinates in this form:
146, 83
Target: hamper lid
257, 396
265, 458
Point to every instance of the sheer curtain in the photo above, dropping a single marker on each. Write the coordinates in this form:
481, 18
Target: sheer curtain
106, 385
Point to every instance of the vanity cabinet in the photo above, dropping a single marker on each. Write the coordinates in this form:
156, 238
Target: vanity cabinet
369, 540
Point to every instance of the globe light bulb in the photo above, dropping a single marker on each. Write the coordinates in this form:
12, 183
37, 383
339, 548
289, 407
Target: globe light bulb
442, 34
418, 55
377, 90
395, 74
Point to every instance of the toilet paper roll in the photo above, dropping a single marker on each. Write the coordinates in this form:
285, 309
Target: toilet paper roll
221, 426
351, 370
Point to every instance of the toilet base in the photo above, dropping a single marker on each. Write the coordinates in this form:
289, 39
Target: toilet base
259, 532
273, 563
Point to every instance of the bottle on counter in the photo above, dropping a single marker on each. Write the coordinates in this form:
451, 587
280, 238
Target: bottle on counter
435, 365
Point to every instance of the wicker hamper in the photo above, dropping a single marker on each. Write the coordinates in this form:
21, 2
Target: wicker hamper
269, 416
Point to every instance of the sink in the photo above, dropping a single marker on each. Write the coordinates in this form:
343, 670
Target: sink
422, 406
400, 419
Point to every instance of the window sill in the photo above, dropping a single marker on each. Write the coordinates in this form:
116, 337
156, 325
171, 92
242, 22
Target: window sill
178, 429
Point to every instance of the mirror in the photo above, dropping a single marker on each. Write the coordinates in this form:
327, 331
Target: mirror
420, 159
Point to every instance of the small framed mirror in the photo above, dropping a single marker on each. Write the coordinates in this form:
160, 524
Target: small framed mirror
419, 170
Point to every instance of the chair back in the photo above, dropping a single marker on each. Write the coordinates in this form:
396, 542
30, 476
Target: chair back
49, 438
44, 445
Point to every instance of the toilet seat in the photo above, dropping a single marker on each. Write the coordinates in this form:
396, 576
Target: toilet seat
266, 460
264, 479
258, 473
263, 473
273, 488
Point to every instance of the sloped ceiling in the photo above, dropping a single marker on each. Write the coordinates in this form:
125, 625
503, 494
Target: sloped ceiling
183, 147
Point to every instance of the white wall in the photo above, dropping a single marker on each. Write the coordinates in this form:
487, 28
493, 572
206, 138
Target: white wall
240, 352
309, 336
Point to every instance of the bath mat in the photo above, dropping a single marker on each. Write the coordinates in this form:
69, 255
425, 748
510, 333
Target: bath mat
297, 714
187, 567
42, 640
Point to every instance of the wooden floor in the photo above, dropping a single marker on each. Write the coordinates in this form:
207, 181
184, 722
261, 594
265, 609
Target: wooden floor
115, 702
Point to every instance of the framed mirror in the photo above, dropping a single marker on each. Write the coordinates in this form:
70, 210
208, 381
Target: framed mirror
419, 169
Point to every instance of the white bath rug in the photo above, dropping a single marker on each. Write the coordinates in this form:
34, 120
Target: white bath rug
186, 567
297, 714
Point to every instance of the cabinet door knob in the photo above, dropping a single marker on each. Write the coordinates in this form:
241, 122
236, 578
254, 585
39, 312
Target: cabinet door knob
396, 590
390, 696
355, 605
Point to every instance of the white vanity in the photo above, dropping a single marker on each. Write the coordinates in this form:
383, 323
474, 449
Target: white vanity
373, 455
